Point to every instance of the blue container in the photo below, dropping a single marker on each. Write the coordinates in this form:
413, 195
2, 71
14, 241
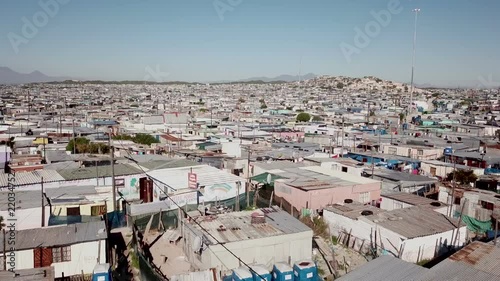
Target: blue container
305, 271
242, 274
448, 151
261, 271
102, 272
282, 272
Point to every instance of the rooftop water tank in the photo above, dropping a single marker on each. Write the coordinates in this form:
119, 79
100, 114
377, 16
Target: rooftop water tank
305, 271
282, 272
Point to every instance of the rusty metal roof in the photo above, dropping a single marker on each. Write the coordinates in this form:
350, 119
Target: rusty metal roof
237, 226
476, 261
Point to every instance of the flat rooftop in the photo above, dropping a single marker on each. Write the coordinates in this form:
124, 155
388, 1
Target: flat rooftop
237, 226
352, 210
414, 199
414, 221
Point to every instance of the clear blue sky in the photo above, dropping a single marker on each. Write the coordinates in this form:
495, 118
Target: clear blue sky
458, 40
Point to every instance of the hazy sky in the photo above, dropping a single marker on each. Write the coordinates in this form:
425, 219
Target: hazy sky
207, 40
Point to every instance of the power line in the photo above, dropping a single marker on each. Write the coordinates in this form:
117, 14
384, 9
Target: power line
192, 219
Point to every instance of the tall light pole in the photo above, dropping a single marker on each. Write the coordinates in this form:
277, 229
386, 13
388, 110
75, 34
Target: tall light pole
416, 11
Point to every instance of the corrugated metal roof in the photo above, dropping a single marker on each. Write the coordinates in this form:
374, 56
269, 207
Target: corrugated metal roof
480, 256
33, 177
207, 176
104, 171
59, 235
385, 268
167, 164
413, 199
414, 221
32, 274
238, 225
27, 199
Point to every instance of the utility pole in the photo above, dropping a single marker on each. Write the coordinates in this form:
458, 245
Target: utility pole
237, 203
248, 178
342, 152
74, 136
43, 205
4, 250
413, 61
454, 184
373, 163
112, 152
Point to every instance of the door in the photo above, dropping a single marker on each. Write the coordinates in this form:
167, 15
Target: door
42, 257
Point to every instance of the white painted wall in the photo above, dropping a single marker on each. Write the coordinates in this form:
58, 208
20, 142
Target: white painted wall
338, 167
266, 251
390, 204
364, 230
83, 257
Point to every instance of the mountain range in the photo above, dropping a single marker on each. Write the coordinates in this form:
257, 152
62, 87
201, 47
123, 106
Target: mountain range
9, 76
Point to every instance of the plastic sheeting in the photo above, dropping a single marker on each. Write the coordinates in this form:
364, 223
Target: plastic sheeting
476, 225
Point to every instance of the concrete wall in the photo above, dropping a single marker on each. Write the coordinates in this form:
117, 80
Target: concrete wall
83, 257
317, 199
413, 152
443, 171
391, 204
266, 251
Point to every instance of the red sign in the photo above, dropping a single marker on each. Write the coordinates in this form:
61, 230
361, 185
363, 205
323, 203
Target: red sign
192, 181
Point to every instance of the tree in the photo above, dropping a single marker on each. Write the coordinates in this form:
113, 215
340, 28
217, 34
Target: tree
402, 117
303, 117
317, 118
340, 85
80, 143
462, 176
263, 106
145, 139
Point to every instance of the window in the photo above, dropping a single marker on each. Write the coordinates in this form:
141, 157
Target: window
344, 169
73, 211
97, 210
420, 152
61, 254
364, 197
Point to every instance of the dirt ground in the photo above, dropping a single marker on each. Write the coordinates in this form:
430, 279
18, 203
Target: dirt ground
346, 259
169, 257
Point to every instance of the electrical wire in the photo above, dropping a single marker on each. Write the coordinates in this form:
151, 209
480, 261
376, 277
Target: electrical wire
192, 219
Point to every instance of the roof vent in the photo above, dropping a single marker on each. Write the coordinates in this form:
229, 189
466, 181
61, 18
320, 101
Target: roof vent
366, 213
348, 201
436, 204
258, 218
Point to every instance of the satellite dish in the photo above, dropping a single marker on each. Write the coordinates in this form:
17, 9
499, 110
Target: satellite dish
197, 243
269, 178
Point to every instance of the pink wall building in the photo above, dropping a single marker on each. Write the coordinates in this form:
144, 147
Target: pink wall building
315, 194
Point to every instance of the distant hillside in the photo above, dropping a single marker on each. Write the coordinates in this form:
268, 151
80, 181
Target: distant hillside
281, 78
9, 76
